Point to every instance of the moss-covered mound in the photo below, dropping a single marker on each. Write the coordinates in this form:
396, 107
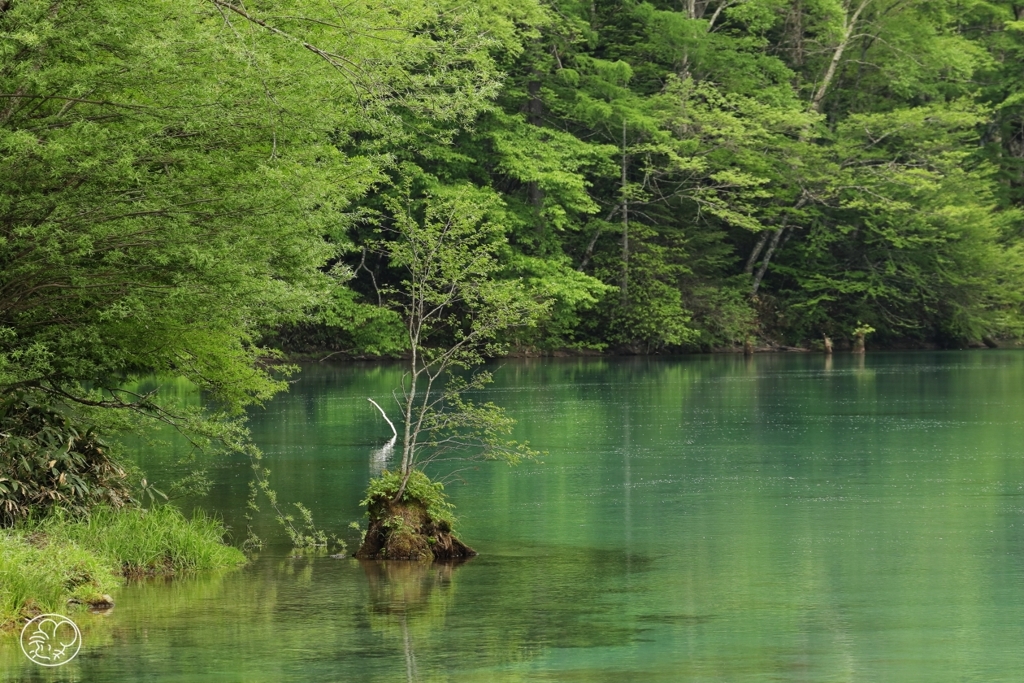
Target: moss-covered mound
418, 526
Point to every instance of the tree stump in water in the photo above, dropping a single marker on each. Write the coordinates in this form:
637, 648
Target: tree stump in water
858, 343
828, 344
406, 529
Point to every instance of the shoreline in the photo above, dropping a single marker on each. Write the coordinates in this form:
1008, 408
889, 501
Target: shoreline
840, 349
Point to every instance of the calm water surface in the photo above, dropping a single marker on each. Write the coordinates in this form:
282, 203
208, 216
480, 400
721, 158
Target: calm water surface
698, 519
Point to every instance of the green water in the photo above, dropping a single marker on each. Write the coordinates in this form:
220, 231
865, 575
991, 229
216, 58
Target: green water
699, 519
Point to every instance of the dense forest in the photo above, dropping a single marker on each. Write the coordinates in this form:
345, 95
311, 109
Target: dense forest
187, 184
191, 188
688, 175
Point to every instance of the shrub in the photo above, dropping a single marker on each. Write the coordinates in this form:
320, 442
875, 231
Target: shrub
48, 461
420, 490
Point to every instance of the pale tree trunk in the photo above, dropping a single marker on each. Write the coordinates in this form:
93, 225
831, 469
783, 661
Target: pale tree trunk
828, 345
624, 285
407, 437
849, 25
718, 11
776, 236
749, 269
536, 118
767, 258
410, 399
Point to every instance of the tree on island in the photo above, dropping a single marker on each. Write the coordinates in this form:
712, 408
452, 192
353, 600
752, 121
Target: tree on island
456, 307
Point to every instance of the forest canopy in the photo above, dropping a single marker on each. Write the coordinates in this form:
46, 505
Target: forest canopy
682, 176
191, 187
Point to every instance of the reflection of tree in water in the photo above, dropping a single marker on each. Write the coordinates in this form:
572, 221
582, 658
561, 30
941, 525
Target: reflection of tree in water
409, 601
517, 609
379, 458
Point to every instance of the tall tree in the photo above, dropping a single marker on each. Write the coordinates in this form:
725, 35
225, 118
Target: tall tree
173, 179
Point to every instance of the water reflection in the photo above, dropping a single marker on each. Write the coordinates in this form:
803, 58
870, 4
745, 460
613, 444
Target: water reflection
704, 519
407, 602
380, 457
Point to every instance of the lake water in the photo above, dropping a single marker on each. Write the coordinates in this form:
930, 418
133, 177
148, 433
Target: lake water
775, 518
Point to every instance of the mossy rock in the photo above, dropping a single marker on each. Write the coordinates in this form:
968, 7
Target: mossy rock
406, 529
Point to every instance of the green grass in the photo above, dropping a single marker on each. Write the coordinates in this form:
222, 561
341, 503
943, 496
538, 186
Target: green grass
45, 563
37, 577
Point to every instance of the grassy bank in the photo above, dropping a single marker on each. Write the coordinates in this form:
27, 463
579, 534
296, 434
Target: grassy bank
46, 564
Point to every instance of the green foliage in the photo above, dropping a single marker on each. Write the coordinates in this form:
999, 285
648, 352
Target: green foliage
862, 330
173, 182
177, 180
643, 148
344, 324
419, 490
186, 188
458, 308
37, 573
137, 542
45, 563
307, 536
48, 460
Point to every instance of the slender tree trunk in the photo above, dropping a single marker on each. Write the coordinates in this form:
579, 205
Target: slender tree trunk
767, 258
798, 34
407, 437
771, 248
624, 285
589, 250
756, 252
410, 399
536, 118
850, 24
718, 10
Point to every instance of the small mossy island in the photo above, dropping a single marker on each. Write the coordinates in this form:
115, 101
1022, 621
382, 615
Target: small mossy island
415, 525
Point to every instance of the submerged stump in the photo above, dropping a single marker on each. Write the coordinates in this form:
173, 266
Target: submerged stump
416, 527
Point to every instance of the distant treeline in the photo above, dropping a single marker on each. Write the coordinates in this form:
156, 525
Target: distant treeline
687, 175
